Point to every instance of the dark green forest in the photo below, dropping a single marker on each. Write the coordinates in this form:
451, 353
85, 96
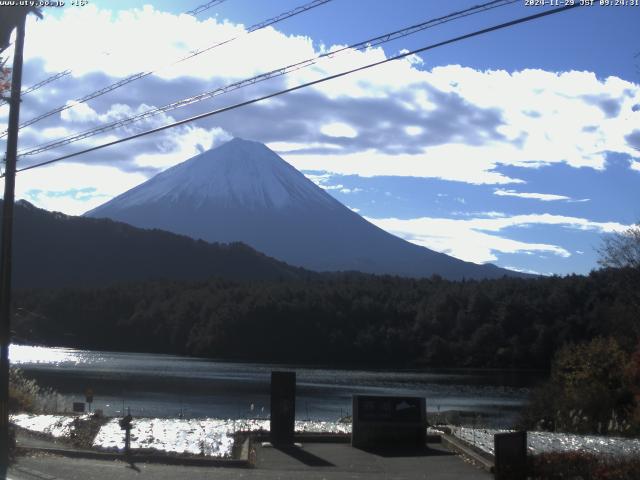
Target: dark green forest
342, 319
53, 249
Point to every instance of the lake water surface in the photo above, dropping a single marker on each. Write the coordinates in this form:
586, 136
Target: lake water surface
154, 385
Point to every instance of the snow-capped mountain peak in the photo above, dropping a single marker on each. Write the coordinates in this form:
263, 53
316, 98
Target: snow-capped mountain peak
238, 172
242, 191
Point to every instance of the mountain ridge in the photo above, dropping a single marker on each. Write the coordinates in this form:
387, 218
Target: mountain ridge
243, 191
53, 249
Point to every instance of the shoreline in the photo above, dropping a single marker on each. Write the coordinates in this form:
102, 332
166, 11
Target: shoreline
365, 367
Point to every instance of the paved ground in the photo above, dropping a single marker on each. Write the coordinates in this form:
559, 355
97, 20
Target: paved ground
314, 461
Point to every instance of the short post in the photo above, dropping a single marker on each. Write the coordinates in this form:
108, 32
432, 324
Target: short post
125, 424
283, 407
510, 455
88, 394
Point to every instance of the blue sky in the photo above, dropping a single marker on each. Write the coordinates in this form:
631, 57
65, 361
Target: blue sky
520, 147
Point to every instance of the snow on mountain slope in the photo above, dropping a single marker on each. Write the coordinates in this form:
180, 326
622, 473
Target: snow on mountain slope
242, 191
240, 172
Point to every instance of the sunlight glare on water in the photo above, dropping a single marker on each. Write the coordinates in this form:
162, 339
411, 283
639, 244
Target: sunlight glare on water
20, 354
156, 385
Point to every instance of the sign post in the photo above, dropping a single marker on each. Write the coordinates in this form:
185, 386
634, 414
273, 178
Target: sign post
125, 424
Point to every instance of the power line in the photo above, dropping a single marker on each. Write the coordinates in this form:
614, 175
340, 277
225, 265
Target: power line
308, 84
139, 75
59, 75
41, 83
46, 81
268, 75
206, 6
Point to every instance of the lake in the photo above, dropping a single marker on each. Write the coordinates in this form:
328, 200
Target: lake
153, 385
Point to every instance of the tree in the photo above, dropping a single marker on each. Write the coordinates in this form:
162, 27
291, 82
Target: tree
621, 249
591, 390
9, 17
5, 82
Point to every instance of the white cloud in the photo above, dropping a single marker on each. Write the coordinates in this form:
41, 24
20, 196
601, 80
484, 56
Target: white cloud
80, 112
548, 117
412, 59
476, 239
322, 179
338, 129
135, 40
183, 145
56, 187
284, 147
452, 162
53, 133
413, 130
545, 197
318, 178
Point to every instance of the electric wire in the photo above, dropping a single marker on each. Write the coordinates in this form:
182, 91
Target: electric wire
308, 84
42, 83
266, 76
139, 75
206, 6
59, 75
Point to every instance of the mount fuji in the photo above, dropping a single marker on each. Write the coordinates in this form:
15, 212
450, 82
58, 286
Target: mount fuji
243, 191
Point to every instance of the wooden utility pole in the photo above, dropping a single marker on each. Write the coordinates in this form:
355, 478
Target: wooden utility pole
7, 235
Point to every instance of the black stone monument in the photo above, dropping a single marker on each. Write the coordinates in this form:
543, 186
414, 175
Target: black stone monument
283, 407
389, 422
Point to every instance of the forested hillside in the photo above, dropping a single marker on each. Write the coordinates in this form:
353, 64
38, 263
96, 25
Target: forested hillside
342, 318
53, 249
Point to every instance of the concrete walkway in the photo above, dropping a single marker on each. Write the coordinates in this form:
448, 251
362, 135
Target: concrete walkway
314, 461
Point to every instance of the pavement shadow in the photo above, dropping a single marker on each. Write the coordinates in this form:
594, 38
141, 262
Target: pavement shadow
303, 456
390, 452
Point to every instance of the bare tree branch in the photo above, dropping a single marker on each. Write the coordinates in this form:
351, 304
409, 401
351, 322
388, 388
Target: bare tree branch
621, 249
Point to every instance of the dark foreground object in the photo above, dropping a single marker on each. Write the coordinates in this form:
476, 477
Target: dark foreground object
381, 422
510, 456
283, 407
314, 461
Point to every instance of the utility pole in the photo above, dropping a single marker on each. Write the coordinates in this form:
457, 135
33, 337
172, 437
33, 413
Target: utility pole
7, 234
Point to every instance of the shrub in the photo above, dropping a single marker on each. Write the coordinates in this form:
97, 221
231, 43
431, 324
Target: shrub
586, 466
591, 390
23, 392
